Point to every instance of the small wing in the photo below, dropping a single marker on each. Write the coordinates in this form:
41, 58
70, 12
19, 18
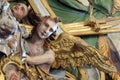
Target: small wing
70, 51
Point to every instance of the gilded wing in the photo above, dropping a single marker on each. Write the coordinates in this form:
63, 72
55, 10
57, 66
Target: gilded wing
70, 51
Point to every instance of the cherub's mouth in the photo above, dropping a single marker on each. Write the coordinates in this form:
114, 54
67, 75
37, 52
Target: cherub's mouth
4, 33
42, 33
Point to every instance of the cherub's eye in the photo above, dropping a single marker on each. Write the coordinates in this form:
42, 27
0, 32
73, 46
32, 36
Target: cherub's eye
18, 4
46, 24
22, 8
51, 30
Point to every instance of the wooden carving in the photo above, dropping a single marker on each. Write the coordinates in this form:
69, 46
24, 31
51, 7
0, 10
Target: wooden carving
70, 51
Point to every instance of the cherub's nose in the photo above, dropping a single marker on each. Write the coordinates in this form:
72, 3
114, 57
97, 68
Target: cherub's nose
47, 30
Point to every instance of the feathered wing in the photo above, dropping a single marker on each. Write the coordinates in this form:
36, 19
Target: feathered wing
70, 51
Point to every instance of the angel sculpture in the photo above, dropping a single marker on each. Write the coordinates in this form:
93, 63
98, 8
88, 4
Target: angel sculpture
69, 50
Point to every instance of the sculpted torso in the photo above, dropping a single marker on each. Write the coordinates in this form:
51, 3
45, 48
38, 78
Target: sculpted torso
37, 50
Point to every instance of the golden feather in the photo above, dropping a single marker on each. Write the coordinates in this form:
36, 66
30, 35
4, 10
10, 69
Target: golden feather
103, 45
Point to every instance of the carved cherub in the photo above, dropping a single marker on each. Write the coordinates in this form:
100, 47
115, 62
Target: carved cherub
69, 50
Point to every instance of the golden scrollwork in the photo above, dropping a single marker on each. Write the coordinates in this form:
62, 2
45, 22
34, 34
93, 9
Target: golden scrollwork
31, 72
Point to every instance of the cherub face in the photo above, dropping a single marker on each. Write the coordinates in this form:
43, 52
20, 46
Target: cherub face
46, 28
19, 11
8, 26
5, 32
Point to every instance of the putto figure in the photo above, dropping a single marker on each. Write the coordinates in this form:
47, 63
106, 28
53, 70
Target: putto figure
38, 54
